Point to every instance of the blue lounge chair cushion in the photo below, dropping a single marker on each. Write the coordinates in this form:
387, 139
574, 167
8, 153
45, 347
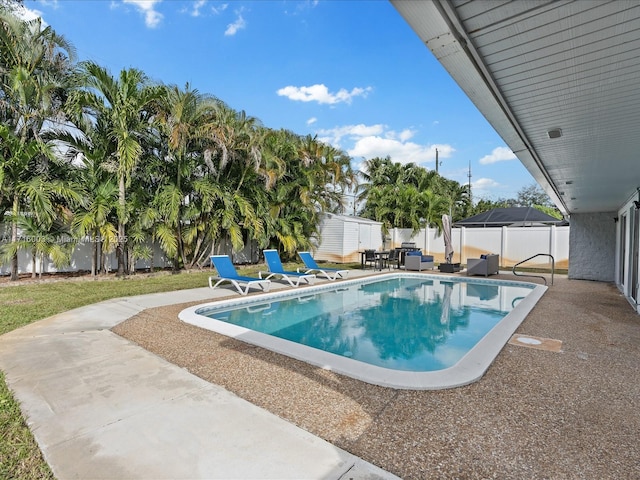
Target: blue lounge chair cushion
274, 264
227, 273
311, 266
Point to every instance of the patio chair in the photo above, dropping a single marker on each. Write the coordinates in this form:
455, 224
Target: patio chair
394, 258
370, 258
488, 264
227, 273
274, 264
311, 266
417, 261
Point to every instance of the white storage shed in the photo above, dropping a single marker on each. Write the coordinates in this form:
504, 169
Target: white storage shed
343, 237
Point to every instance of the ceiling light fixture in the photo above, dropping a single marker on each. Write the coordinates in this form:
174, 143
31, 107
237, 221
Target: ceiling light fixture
555, 133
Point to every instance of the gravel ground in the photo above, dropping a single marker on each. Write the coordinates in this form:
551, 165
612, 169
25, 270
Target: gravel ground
573, 414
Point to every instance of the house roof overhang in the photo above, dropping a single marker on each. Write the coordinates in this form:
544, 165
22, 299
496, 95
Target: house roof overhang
557, 80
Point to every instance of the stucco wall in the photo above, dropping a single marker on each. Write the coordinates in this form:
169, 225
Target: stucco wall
592, 246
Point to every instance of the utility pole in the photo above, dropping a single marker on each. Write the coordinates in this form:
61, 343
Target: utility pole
436, 160
469, 177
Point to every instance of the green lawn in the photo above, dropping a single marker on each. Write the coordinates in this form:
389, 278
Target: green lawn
26, 302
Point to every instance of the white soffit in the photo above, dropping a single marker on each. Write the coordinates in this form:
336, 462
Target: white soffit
533, 66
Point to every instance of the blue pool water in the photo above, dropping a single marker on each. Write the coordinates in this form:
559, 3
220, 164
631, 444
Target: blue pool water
407, 323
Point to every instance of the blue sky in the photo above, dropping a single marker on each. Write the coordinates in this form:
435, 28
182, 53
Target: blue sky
351, 72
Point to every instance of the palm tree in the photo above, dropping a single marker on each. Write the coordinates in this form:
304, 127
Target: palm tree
55, 242
407, 196
313, 182
188, 128
88, 148
124, 104
39, 205
432, 207
239, 176
34, 63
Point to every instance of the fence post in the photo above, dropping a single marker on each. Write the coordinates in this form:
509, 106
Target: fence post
552, 240
503, 244
427, 235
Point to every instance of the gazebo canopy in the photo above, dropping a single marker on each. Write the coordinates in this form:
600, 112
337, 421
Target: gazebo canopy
511, 216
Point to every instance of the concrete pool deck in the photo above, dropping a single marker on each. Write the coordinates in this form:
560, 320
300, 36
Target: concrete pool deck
101, 407
96, 398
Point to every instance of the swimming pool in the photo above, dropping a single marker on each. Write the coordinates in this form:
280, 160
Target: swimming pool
411, 331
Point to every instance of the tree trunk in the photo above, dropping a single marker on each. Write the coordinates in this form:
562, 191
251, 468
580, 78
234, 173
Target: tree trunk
105, 262
14, 238
120, 248
94, 256
34, 258
131, 261
100, 263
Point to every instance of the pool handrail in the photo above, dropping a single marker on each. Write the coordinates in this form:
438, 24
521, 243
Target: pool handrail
553, 267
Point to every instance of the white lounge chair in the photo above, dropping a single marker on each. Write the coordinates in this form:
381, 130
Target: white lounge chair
227, 273
311, 266
272, 257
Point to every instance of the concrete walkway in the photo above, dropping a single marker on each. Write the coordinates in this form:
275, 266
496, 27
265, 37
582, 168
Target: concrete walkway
101, 407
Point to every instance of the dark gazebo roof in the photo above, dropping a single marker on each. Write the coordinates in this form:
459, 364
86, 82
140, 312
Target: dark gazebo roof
512, 216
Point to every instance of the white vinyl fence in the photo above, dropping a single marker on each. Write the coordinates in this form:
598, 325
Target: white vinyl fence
83, 252
513, 244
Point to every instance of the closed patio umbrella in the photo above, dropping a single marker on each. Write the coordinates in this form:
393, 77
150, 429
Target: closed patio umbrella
446, 303
446, 233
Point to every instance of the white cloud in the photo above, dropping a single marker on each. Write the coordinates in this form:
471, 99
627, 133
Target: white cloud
371, 141
49, 3
320, 93
399, 151
312, 120
152, 17
27, 14
334, 136
300, 7
500, 154
484, 184
374, 146
219, 9
197, 8
406, 135
233, 28
195, 12
486, 188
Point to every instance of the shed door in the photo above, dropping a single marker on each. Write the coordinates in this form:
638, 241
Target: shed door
364, 239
